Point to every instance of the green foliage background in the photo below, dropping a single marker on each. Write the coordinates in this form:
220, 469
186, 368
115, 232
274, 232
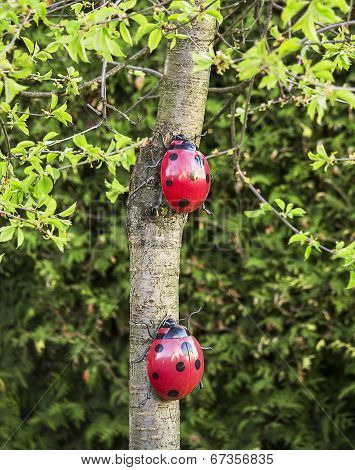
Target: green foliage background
282, 371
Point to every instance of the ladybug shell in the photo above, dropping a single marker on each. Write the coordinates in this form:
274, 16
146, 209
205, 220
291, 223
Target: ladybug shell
185, 177
175, 364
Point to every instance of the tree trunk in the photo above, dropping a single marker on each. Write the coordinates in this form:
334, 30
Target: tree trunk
155, 241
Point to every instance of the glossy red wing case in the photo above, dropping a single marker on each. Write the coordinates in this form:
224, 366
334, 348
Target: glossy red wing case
185, 179
175, 366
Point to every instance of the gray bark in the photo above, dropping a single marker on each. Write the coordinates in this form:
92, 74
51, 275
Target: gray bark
155, 242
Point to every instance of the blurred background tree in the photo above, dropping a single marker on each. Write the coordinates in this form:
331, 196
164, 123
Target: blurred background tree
282, 371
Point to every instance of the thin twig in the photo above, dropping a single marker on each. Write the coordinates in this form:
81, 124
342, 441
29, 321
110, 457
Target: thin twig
2, 125
118, 152
21, 219
336, 25
142, 69
142, 98
229, 89
121, 113
223, 152
110, 73
219, 113
17, 34
103, 90
56, 142
242, 175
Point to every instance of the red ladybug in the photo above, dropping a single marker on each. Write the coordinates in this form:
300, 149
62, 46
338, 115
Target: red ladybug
175, 361
185, 176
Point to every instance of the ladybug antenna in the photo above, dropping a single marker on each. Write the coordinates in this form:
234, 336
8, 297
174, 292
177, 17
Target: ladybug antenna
169, 323
163, 321
201, 135
188, 318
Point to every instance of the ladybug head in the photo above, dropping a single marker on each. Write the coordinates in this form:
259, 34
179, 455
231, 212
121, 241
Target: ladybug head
170, 329
180, 141
169, 323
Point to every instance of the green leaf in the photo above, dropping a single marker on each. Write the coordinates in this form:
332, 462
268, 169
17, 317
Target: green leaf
317, 165
140, 19
5, 107
126, 36
51, 207
254, 214
7, 233
44, 185
291, 9
307, 24
298, 237
154, 39
347, 96
20, 237
202, 60
115, 189
216, 14
351, 283
288, 47
307, 252
68, 211
297, 212
29, 44
61, 115
80, 141
54, 173
143, 30
12, 89
52, 47
49, 136
280, 203
54, 101
181, 5
59, 242
115, 48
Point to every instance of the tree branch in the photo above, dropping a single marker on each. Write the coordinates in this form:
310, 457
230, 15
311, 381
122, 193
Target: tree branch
110, 73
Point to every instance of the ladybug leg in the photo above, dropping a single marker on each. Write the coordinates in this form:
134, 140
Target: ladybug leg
206, 210
207, 348
157, 163
201, 384
155, 209
148, 397
151, 178
147, 326
142, 357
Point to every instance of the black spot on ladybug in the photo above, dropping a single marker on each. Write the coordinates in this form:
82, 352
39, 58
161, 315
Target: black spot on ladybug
197, 364
183, 203
169, 182
193, 176
173, 156
173, 393
180, 366
159, 348
155, 375
199, 161
186, 348
207, 178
